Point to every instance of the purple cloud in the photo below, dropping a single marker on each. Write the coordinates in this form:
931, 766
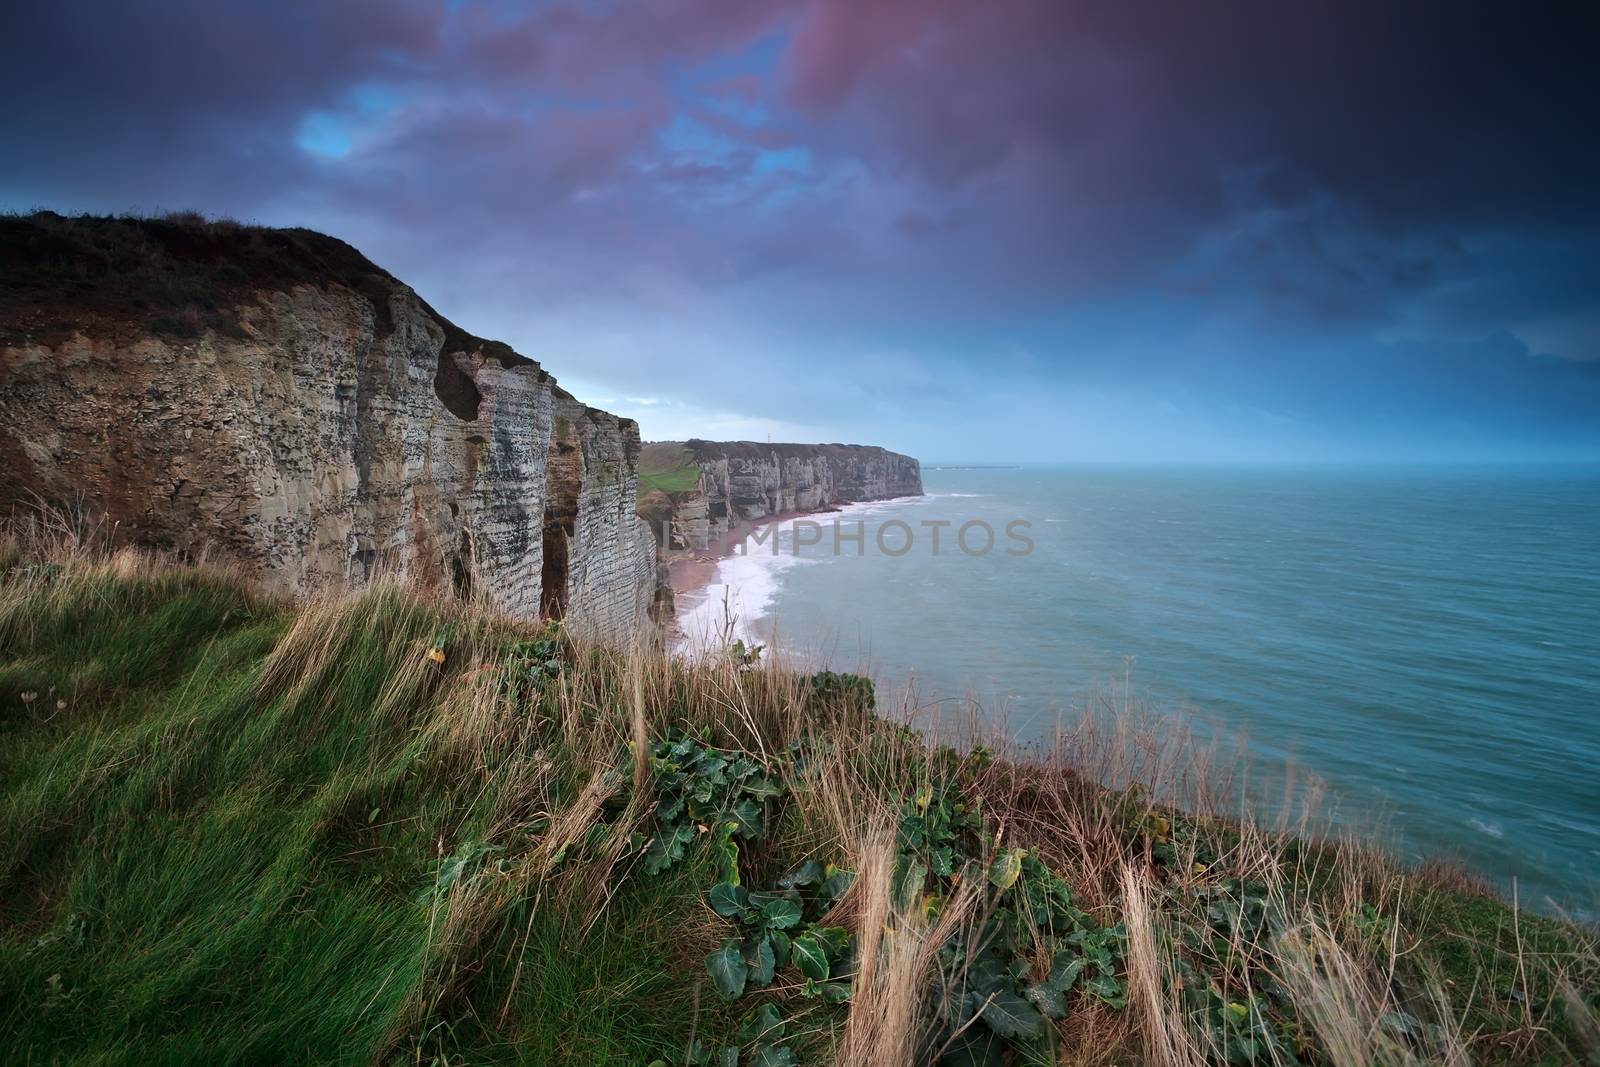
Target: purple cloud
1204, 201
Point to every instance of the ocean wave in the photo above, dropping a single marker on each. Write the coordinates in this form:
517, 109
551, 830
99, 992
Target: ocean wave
1493, 829
740, 594
863, 508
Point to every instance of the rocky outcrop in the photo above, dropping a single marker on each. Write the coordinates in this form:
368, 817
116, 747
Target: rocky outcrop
742, 481
599, 556
273, 398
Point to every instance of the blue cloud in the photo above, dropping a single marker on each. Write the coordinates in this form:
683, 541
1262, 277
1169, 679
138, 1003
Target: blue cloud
1061, 229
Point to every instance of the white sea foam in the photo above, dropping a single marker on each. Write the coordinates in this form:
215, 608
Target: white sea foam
1493, 829
745, 586
740, 594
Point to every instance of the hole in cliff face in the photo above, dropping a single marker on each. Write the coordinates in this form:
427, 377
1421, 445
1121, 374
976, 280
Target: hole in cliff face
553, 577
455, 389
564, 475
461, 567
362, 563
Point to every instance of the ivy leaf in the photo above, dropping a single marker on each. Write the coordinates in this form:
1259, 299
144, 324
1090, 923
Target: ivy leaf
808, 873
728, 1057
1064, 971
728, 900
975, 1048
780, 914
1010, 1016
780, 947
833, 992
773, 1056
835, 883
908, 886
709, 765
727, 852
809, 955
762, 1024
1006, 868
748, 814
833, 939
761, 787
1049, 1001
727, 969
759, 958
666, 848
1108, 989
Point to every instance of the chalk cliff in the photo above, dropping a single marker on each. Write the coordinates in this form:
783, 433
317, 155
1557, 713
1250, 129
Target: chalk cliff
272, 397
702, 488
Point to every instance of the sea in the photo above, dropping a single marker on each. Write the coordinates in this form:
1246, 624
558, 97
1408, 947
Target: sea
1425, 642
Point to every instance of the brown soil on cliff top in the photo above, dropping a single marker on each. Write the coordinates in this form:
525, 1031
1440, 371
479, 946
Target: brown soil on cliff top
177, 277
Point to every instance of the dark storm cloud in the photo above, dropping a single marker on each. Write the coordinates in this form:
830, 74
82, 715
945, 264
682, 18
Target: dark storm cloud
117, 103
1284, 202
1438, 111
1137, 127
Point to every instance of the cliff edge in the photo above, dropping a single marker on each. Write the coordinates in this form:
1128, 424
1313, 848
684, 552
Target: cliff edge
695, 492
274, 397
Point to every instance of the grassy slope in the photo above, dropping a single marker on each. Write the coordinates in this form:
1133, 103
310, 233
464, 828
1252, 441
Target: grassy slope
669, 467
233, 831
197, 871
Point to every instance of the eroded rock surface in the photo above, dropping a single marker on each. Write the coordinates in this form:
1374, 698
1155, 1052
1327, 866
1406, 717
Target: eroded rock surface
743, 481
323, 429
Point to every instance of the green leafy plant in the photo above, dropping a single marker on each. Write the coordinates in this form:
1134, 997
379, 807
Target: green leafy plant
745, 656
538, 661
467, 862
760, 1039
782, 927
993, 1000
844, 689
1246, 1016
700, 788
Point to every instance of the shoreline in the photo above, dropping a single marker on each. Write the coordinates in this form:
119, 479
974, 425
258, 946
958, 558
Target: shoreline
690, 573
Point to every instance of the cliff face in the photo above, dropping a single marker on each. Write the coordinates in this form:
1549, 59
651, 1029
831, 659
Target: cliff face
324, 428
591, 525
742, 481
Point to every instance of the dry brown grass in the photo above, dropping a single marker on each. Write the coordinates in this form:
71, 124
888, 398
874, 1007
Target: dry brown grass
1144, 815
1152, 981
1344, 917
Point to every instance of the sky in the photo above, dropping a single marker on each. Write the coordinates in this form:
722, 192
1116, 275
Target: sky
1015, 230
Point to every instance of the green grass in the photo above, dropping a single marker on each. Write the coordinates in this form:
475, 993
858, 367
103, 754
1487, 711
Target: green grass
669, 467
194, 871
234, 830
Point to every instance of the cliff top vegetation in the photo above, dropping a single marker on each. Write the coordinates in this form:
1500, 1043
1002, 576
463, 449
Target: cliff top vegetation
176, 276
711, 450
386, 829
667, 466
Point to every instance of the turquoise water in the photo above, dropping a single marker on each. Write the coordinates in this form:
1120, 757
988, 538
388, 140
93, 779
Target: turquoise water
1427, 642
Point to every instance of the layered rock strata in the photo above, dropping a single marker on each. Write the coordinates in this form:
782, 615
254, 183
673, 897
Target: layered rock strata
273, 398
742, 481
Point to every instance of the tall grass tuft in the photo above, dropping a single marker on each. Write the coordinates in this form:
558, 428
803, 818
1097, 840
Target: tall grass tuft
375, 828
